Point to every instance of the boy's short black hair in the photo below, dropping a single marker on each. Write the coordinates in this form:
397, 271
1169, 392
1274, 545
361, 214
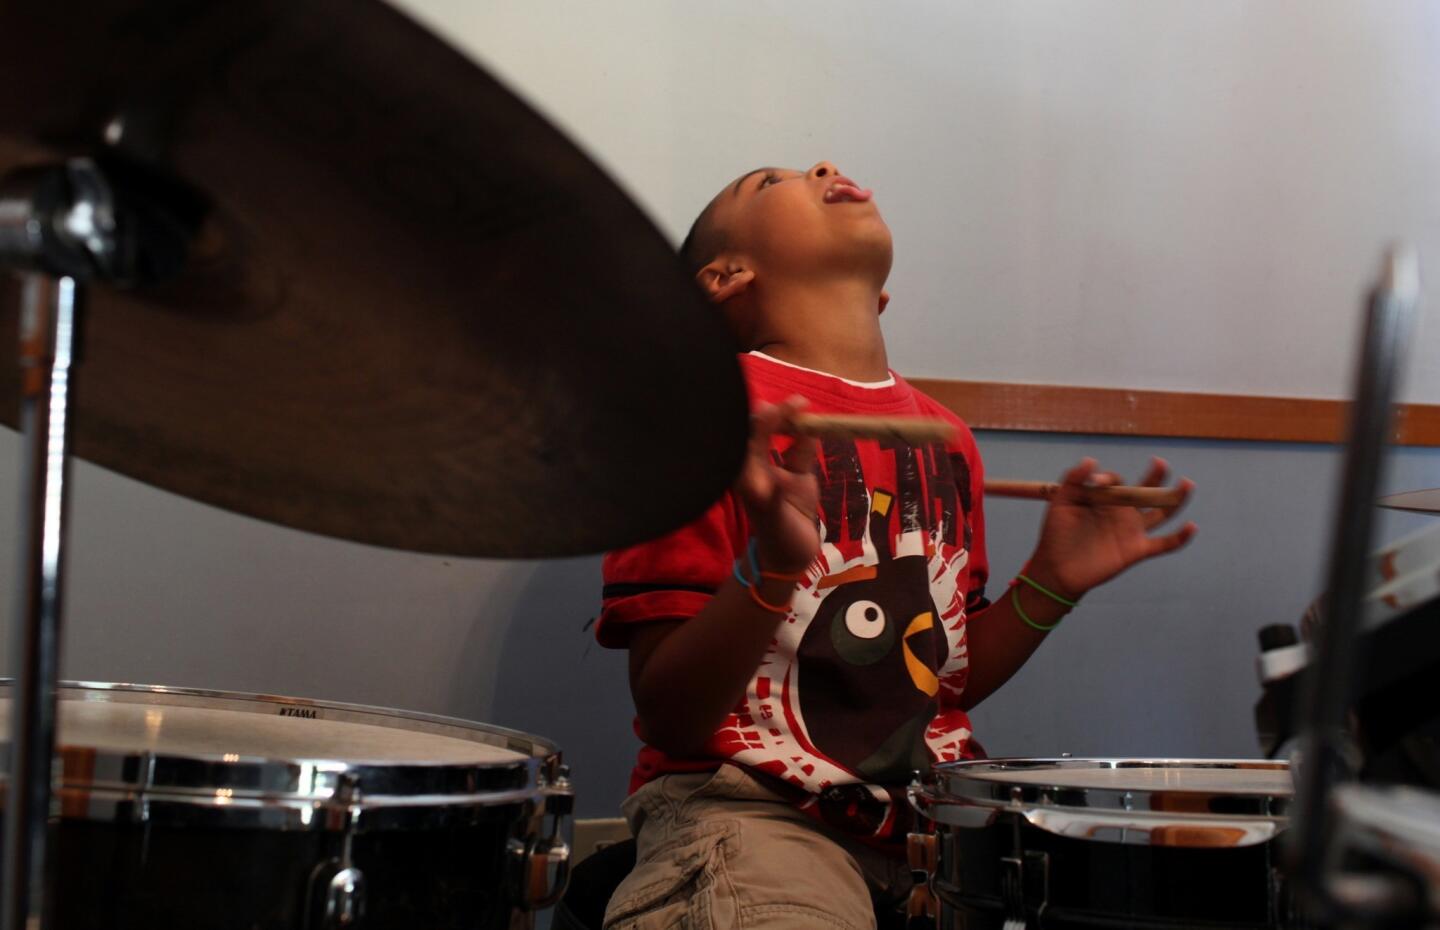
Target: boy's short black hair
687, 248
701, 243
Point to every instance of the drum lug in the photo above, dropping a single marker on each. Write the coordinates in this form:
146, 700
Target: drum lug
1025, 889
337, 887
344, 900
922, 909
541, 865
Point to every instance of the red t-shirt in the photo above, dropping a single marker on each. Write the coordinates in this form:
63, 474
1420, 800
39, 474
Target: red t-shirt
861, 684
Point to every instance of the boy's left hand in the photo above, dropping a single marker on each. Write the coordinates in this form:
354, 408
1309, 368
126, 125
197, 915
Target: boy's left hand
1082, 546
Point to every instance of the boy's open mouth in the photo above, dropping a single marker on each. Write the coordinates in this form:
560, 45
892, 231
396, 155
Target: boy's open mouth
844, 190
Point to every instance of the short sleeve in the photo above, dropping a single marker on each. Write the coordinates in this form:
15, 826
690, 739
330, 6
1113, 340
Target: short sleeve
669, 578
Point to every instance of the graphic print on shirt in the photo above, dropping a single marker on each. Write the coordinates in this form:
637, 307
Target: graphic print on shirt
881, 620
858, 688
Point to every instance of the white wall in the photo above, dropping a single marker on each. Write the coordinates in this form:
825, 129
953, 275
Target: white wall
1133, 193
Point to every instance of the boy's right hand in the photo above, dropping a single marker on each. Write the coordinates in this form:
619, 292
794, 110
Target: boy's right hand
782, 502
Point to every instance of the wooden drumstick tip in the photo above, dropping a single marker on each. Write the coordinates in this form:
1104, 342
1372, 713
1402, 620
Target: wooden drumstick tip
926, 430
913, 430
1113, 496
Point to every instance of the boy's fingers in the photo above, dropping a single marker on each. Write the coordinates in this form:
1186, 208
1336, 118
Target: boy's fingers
1155, 474
762, 423
801, 456
1073, 480
1158, 515
768, 419
765, 421
791, 406
799, 491
1160, 545
1077, 476
1184, 486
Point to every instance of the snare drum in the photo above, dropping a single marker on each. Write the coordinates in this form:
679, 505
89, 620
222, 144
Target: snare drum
185, 808
1060, 843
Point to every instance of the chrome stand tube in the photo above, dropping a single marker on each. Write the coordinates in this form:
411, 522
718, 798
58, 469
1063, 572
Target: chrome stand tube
47, 339
1330, 683
61, 225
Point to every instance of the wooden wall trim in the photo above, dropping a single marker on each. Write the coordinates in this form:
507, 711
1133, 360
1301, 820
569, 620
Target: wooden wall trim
1121, 412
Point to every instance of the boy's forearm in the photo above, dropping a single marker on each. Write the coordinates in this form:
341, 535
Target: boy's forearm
999, 642
698, 671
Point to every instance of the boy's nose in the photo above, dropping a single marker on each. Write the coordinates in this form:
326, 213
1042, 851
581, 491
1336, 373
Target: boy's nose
823, 169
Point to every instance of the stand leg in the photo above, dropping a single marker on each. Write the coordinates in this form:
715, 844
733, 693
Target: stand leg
47, 324
1329, 684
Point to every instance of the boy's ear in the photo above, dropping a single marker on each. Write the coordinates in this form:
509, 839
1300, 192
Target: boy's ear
884, 301
721, 280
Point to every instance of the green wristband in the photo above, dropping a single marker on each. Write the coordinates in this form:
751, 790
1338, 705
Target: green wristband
1046, 591
1015, 599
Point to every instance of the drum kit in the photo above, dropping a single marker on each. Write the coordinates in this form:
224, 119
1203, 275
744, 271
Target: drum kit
307, 263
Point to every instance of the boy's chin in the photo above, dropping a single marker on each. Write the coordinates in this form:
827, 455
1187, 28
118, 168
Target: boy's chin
868, 250
872, 252
871, 240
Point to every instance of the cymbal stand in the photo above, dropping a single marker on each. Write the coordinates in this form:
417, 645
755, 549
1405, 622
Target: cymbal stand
57, 227
1330, 684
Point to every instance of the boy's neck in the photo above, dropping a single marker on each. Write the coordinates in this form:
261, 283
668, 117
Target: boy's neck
833, 328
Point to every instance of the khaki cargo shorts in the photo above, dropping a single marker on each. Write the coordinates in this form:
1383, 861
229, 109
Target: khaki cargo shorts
720, 850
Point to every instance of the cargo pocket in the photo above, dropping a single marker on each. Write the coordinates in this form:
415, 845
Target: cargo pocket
682, 885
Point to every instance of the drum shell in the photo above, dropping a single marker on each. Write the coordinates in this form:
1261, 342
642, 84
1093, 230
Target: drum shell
151, 837
167, 872
1120, 842
1089, 883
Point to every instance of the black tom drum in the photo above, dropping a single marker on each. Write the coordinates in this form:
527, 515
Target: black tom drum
187, 808
1086, 843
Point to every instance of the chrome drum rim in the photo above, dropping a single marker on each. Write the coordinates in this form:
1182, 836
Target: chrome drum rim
293, 793
1045, 793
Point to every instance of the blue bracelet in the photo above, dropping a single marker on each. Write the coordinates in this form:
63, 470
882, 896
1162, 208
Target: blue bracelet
750, 556
750, 553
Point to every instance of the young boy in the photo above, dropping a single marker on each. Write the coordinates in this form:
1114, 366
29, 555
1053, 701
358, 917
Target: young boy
822, 630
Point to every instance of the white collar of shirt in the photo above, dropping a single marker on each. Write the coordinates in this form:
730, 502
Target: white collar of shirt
871, 385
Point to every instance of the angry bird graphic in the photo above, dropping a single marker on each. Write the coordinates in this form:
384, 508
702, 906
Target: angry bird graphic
868, 662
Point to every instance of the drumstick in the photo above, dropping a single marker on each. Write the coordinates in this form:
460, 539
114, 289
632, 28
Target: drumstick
1115, 495
914, 430
920, 430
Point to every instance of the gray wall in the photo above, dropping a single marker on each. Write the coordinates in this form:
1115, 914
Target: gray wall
1117, 188
1160, 662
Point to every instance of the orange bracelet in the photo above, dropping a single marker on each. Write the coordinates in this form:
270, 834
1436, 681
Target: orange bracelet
751, 552
773, 608
792, 577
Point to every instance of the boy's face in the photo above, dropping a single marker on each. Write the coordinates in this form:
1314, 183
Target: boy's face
795, 223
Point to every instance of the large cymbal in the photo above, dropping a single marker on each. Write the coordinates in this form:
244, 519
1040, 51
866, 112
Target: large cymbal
1427, 501
416, 315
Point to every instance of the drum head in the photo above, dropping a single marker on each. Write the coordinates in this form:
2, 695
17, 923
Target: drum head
256, 730
1199, 776
1174, 802
122, 744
